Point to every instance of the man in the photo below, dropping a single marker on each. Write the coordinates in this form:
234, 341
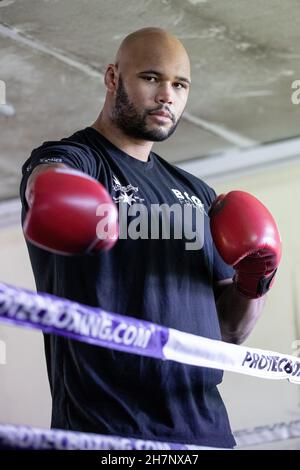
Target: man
104, 391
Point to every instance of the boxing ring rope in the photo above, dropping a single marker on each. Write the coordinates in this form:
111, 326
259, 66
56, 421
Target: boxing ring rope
268, 433
26, 437
95, 326
21, 307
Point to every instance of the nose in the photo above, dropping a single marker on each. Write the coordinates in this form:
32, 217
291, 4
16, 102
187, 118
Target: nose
165, 94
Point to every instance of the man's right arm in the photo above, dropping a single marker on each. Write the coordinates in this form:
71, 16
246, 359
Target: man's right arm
69, 212
38, 170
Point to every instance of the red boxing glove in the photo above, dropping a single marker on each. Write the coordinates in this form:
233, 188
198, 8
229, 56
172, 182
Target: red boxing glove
247, 238
71, 213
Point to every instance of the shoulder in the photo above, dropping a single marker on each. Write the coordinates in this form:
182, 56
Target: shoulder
73, 151
74, 143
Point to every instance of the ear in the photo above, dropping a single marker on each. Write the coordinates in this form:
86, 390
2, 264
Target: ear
111, 78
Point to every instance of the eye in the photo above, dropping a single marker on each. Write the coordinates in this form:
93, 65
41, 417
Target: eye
150, 79
179, 85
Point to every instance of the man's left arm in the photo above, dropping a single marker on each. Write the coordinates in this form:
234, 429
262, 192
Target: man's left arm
247, 238
237, 314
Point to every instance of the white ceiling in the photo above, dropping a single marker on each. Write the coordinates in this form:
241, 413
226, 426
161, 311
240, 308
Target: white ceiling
245, 56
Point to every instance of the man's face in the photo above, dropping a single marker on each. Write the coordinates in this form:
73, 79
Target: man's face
149, 104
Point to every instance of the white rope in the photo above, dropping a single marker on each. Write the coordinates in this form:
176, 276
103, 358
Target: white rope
96, 326
268, 433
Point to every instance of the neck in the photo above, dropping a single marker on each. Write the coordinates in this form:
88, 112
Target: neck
139, 149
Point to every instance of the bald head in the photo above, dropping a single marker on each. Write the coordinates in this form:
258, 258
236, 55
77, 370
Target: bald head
152, 47
148, 85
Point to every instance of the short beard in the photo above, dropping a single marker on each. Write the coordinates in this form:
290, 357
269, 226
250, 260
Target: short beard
133, 123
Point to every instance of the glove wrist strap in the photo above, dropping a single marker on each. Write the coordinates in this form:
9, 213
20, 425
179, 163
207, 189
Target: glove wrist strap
253, 288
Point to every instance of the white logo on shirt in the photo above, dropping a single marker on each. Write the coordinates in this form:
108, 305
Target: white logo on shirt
185, 198
126, 194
